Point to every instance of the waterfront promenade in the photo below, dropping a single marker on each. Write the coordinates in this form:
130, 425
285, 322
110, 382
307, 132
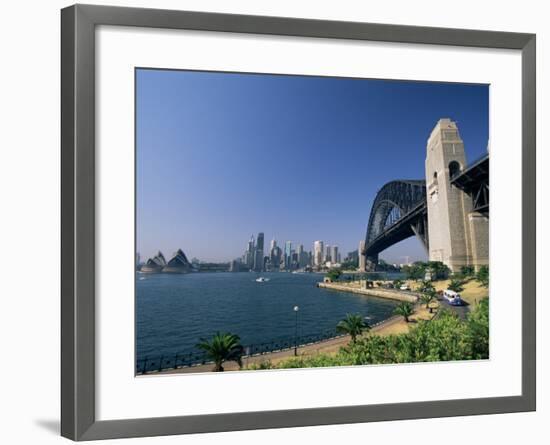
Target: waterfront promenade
356, 288
391, 326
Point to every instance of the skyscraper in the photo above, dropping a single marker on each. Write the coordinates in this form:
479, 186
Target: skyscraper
259, 254
250, 253
318, 248
275, 256
334, 254
327, 254
288, 254
302, 256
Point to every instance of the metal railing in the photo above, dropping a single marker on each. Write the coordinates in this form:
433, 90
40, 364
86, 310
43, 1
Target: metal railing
195, 357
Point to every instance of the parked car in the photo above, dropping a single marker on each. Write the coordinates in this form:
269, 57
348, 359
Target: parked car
405, 287
453, 297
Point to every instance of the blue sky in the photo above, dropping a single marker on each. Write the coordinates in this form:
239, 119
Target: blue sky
222, 156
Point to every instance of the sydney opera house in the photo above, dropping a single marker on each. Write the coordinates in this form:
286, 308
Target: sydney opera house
178, 264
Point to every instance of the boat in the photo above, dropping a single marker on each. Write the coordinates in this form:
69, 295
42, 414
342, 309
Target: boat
262, 279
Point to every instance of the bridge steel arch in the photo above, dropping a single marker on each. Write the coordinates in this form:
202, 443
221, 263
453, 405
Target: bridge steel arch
408, 197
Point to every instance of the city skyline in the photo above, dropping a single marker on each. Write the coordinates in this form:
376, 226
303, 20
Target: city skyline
252, 247
220, 155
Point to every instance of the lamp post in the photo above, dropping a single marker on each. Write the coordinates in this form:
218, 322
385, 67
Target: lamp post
296, 309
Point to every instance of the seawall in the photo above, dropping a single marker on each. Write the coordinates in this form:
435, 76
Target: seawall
373, 292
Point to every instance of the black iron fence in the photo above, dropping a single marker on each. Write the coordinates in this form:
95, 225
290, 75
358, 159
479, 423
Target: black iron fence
195, 357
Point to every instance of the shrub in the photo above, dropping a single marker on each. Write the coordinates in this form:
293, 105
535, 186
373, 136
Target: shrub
442, 339
483, 275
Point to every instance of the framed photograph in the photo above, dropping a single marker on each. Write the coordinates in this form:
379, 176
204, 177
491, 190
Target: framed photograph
273, 222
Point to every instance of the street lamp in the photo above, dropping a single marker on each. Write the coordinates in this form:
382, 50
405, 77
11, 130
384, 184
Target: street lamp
296, 309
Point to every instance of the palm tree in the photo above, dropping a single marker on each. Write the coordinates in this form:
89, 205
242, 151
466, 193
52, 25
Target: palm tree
405, 309
426, 287
353, 325
221, 348
427, 298
456, 285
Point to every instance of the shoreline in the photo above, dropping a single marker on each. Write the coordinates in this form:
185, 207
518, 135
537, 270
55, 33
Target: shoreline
390, 294
391, 325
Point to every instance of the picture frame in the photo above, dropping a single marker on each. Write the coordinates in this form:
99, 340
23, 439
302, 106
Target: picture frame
78, 321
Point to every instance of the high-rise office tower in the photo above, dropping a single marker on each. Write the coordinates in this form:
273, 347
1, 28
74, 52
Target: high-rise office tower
250, 253
288, 254
272, 245
327, 254
275, 257
301, 256
259, 254
294, 260
334, 254
318, 248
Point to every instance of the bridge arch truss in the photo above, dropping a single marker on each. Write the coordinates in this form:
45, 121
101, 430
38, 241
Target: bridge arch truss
398, 212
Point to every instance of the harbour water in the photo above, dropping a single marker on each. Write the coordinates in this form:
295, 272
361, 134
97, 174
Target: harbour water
173, 312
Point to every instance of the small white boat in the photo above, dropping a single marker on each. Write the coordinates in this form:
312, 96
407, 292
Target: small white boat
262, 279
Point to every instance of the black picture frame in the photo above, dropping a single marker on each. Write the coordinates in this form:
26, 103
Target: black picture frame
78, 23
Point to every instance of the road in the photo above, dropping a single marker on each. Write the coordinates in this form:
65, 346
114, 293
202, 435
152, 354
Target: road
461, 311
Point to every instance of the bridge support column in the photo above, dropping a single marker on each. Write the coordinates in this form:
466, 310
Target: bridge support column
371, 263
458, 236
479, 234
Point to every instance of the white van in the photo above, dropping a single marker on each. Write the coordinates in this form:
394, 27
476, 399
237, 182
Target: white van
452, 297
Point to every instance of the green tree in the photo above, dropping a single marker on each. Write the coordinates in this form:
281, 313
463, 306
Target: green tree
467, 271
353, 325
334, 274
221, 348
427, 298
415, 271
478, 330
456, 285
426, 287
439, 270
483, 275
397, 283
404, 309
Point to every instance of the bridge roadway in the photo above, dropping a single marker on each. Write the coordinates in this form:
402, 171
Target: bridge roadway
399, 231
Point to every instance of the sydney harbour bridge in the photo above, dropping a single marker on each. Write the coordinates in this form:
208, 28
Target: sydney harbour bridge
451, 206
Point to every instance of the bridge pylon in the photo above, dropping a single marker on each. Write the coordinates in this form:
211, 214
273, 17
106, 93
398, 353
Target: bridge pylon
458, 236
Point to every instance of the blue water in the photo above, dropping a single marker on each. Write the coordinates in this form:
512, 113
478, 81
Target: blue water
174, 311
